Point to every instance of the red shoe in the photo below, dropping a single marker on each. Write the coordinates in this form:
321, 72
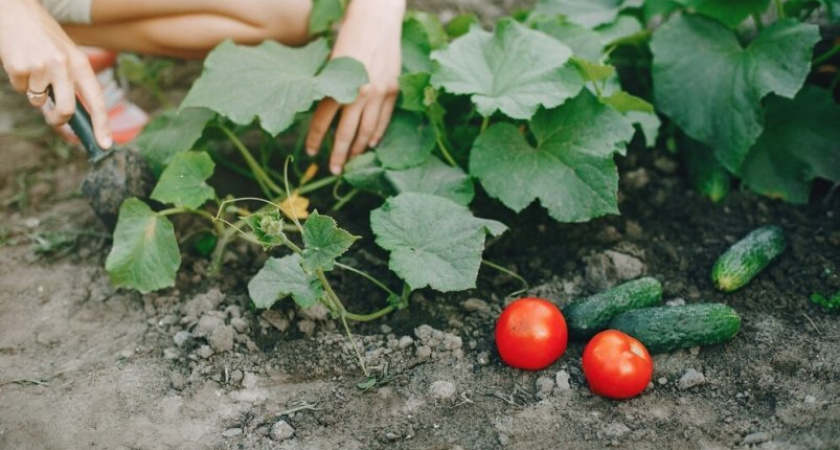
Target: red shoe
125, 118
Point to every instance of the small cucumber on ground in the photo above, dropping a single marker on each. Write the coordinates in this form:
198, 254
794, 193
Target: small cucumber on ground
587, 316
747, 258
667, 328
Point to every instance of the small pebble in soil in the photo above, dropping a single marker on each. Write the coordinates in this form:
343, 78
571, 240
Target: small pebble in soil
405, 342
442, 390
236, 376
562, 380
249, 380
306, 327
690, 379
759, 437
282, 431
204, 351
675, 302
810, 399
170, 354
475, 305
181, 338
662, 381
232, 432
544, 386
391, 436
424, 352
239, 324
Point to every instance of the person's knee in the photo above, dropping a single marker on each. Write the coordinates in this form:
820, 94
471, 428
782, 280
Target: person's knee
285, 21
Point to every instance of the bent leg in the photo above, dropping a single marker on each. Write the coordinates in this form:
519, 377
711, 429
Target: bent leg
191, 28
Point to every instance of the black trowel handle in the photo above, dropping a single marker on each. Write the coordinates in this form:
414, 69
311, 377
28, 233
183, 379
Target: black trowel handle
81, 125
83, 128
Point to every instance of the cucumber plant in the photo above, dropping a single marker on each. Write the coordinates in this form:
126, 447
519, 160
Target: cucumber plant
534, 110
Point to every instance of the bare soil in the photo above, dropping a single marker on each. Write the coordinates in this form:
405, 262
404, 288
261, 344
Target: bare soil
85, 366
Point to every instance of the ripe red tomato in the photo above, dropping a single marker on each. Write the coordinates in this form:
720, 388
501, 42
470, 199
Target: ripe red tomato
616, 365
531, 334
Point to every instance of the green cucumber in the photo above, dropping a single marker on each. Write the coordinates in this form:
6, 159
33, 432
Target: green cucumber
667, 328
748, 257
590, 315
708, 176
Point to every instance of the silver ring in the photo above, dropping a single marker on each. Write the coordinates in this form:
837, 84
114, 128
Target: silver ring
36, 95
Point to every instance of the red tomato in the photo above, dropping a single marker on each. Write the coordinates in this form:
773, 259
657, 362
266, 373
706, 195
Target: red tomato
616, 365
531, 334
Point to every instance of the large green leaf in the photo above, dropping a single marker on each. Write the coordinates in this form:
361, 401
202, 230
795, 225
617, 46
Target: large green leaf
712, 87
436, 178
571, 171
407, 142
145, 254
324, 13
273, 82
433, 241
801, 142
283, 277
638, 112
584, 42
413, 91
324, 241
729, 12
183, 181
589, 13
171, 133
366, 173
514, 70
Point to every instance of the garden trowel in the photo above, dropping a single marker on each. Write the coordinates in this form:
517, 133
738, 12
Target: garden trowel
115, 175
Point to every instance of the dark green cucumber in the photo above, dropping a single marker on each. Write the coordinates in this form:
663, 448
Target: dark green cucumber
671, 327
708, 176
748, 257
587, 316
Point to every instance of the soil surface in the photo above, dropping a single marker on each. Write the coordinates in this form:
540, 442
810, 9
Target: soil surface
85, 366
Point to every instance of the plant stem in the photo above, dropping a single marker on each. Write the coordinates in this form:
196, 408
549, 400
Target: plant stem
509, 272
484, 123
368, 317
262, 178
780, 10
344, 200
759, 25
197, 212
445, 151
366, 276
827, 55
315, 185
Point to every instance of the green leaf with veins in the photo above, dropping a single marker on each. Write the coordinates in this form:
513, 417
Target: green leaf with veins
801, 142
571, 171
729, 12
584, 42
145, 254
712, 87
413, 91
588, 13
407, 142
171, 133
513, 70
323, 242
436, 178
324, 13
273, 82
183, 182
267, 227
433, 241
638, 112
366, 173
593, 71
283, 277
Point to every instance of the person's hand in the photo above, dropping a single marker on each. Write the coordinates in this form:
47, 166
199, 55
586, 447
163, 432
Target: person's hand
37, 54
371, 34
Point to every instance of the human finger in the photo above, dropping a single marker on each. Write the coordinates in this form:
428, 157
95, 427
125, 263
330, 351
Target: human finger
344, 135
36, 88
321, 120
367, 125
384, 119
91, 93
64, 96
